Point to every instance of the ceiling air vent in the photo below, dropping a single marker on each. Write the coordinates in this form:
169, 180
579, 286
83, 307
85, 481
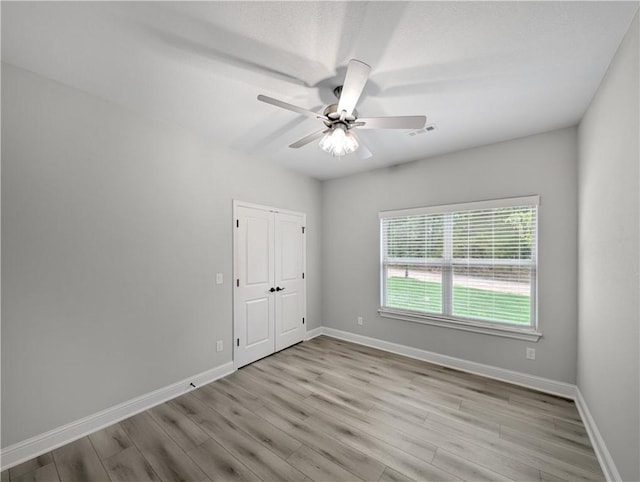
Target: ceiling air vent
425, 129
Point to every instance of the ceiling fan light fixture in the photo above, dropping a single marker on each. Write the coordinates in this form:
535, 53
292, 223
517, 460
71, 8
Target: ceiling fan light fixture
339, 142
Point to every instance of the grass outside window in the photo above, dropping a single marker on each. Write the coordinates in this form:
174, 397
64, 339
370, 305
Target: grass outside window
426, 296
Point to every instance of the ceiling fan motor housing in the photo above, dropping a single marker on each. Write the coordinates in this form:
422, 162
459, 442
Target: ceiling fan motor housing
331, 112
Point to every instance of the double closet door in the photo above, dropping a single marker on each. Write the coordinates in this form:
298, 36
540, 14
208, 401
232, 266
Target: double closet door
269, 285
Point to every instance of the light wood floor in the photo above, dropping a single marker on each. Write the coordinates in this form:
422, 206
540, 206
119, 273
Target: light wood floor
328, 410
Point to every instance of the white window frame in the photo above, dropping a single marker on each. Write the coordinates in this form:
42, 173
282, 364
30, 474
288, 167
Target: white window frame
528, 333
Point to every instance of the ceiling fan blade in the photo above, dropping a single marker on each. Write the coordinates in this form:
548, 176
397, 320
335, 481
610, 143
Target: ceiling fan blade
363, 151
310, 138
354, 82
400, 122
291, 107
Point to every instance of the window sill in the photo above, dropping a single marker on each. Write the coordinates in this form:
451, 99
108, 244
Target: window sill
474, 326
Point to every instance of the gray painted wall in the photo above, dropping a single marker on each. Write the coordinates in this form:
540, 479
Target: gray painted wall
609, 289
544, 164
114, 227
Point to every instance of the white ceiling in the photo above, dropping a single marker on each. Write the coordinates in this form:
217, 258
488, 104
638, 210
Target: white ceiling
482, 72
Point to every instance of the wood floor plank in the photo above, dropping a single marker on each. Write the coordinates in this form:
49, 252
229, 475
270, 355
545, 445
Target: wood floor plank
258, 458
390, 416
374, 394
282, 384
180, 428
546, 477
490, 452
504, 417
45, 473
340, 378
219, 464
420, 448
492, 424
414, 396
237, 394
424, 384
110, 441
466, 469
463, 421
479, 447
188, 404
508, 388
261, 388
293, 404
569, 455
356, 462
30, 465
411, 438
390, 475
129, 465
570, 426
270, 436
312, 358
568, 412
280, 362
78, 461
559, 437
388, 454
317, 467
289, 372
168, 460
343, 397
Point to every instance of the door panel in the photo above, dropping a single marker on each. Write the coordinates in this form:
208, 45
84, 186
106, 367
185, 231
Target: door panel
289, 312
254, 304
257, 321
289, 269
258, 251
290, 248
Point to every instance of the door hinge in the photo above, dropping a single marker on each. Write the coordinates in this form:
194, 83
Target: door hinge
237, 223
303, 321
238, 283
237, 341
302, 229
302, 275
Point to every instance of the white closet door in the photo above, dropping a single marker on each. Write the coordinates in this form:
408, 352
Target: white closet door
269, 292
289, 279
254, 303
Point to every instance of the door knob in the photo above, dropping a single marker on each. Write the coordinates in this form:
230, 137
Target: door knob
272, 289
279, 289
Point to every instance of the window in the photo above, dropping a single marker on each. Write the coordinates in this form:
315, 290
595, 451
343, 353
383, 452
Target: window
469, 265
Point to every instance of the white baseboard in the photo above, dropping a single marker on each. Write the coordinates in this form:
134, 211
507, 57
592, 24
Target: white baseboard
43, 443
604, 457
546, 385
313, 333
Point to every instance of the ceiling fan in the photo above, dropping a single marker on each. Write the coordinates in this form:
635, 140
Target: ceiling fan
340, 120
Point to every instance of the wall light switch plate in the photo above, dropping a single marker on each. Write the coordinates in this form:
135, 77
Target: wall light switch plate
531, 353
219, 278
219, 345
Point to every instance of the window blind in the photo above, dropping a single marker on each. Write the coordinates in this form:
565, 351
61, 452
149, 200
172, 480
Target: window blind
468, 262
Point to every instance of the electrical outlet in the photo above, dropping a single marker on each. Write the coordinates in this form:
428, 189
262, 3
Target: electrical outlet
360, 320
531, 353
219, 278
219, 345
